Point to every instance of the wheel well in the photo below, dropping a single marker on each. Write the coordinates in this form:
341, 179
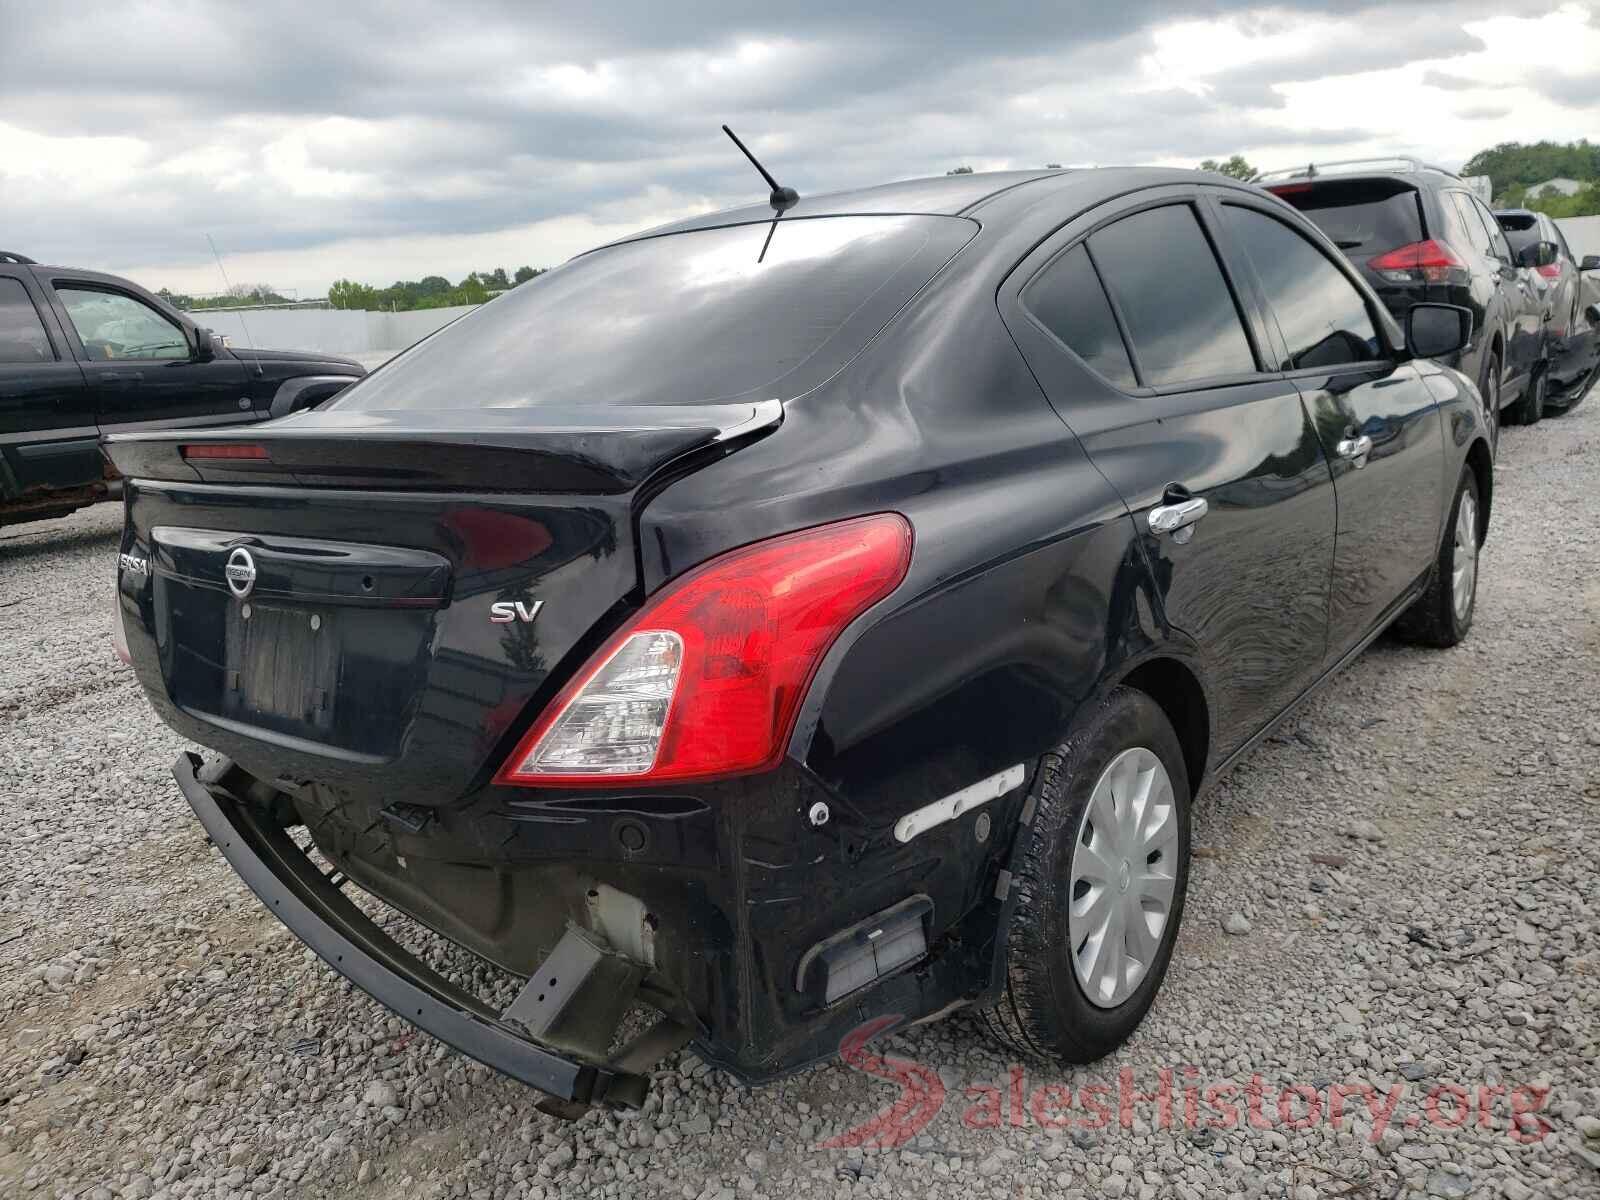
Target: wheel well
1179, 694
1483, 471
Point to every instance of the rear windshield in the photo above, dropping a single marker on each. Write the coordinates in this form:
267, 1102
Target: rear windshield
1362, 216
1521, 231
709, 315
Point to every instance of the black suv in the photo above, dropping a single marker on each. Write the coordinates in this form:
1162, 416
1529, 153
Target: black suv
804, 624
1571, 319
1420, 233
84, 354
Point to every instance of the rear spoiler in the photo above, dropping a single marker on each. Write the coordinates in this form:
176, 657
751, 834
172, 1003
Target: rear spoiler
590, 450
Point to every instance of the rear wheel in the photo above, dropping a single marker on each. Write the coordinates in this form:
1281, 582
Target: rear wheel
1442, 615
1100, 880
1531, 407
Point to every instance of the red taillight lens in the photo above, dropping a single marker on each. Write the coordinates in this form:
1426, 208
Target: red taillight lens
706, 681
1432, 261
223, 450
1289, 189
1550, 270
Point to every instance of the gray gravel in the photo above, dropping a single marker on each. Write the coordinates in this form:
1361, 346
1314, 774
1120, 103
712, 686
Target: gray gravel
1398, 889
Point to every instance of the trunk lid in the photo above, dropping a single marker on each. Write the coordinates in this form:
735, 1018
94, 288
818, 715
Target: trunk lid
326, 611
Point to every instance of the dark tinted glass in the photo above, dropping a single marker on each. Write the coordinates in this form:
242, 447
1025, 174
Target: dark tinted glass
1068, 300
22, 337
1497, 238
1367, 216
709, 315
1520, 231
1322, 316
1180, 316
1472, 223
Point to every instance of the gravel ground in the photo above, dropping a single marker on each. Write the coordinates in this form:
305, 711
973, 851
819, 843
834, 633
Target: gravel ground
1397, 891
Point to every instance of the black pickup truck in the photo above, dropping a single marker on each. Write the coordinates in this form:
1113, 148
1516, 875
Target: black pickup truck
83, 354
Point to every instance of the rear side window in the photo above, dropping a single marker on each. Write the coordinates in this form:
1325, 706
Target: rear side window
1477, 234
1322, 316
1362, 216
1180, 316
758, 311
1497, 239
1067, 299
22, 336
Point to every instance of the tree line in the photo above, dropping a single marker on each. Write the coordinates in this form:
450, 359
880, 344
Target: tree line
431, 291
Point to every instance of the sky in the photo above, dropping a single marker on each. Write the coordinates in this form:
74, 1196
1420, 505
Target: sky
390, 140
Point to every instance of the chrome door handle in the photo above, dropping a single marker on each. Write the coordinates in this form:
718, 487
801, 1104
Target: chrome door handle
1177, 519
1355, 449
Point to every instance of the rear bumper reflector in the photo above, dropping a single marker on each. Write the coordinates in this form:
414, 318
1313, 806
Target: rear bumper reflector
285, 880
954, 805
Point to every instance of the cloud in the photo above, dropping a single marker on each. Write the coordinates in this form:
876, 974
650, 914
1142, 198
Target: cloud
381, 128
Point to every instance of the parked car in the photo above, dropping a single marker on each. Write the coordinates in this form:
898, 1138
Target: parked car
83, 354
798, 622
1421, 233
1557, 277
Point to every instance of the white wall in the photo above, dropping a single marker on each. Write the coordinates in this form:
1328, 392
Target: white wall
331, 330
1582, 234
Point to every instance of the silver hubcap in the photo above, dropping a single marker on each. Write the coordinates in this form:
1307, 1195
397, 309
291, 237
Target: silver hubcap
1123, 874
1465, 576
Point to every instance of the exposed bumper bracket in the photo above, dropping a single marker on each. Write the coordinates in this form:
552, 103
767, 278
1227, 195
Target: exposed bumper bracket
296, 892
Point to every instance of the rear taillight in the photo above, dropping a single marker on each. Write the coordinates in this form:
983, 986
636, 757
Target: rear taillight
1550, 270
226, 450
706, 680
1289, 189
1432, 261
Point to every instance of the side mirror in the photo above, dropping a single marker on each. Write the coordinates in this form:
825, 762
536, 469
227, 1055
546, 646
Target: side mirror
205, 346
1538, 254
1591, 262
1435, 330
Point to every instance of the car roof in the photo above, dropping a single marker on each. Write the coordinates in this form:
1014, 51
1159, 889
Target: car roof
949, 195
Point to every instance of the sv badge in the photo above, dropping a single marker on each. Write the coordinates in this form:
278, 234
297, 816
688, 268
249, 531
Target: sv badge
503, 612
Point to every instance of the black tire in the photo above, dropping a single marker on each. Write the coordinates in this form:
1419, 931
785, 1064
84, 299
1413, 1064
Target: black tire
1530, 408
1489, 387
1044, 1011
1433, 619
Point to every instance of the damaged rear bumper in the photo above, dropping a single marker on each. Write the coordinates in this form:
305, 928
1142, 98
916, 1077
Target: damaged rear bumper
310, 903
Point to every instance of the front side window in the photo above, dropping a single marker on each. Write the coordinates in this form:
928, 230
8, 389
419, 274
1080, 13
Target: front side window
1180, 316
114, 326
1067, 299
22, 336
1322, 316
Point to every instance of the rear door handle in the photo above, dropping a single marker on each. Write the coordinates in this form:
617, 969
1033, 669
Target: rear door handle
1178, 519
121, 378
1355, 449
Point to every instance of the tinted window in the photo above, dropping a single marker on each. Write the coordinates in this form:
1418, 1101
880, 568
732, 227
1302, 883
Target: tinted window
1180, 317
687, 318
1068, 300
1477, 233
1521, 231
111, 325
1322, 316
1368, 216
22, 337
1497, 240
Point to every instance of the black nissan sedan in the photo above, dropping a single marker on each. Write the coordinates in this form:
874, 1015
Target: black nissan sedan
793, 619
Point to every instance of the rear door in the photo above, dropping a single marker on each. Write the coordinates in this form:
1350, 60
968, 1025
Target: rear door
1508, 301
1375, 418
48, 439
1180, 414
141, 364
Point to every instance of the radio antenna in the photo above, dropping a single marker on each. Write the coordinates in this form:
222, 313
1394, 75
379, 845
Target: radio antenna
782, 198
228, 287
